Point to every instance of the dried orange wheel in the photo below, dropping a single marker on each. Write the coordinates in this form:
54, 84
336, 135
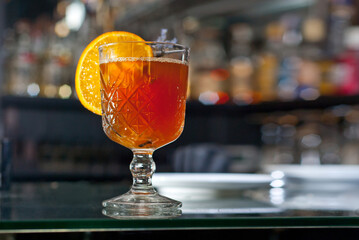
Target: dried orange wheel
87, 78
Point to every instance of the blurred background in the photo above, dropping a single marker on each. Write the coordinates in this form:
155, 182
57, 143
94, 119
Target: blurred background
271, 82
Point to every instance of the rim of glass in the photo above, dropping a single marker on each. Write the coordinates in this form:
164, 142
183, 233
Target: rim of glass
146, 42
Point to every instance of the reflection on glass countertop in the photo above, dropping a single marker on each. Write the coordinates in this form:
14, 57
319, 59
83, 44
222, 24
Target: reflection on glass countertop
254, 200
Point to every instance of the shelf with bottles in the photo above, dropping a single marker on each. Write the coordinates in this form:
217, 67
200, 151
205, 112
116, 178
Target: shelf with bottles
236, 53
38, 63
311, 136
294, 59
291, 58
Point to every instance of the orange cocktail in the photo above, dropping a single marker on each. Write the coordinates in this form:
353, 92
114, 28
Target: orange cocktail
143, 100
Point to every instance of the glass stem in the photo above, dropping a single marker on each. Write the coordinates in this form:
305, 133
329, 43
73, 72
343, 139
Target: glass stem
142, 168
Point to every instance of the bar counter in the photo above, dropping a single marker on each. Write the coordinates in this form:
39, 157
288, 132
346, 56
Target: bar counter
41, 207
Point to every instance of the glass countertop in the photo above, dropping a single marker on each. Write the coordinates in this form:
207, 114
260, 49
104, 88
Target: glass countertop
76, 206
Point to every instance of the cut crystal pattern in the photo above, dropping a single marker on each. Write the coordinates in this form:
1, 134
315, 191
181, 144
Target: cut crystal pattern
128, 108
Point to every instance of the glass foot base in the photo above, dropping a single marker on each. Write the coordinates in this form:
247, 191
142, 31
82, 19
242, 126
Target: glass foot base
130, 205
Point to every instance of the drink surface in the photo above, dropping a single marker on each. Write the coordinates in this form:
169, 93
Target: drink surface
143, 101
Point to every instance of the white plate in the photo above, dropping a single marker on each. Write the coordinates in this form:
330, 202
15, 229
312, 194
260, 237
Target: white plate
219, 181
336, 173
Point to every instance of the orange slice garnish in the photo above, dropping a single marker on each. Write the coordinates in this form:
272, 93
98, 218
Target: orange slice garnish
87, 78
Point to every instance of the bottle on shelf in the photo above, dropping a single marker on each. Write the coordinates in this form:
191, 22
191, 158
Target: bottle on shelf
279, 139
350, 145
23, 75
56, 76
311, 52
267, 63
341, 12
331, 137
209, 77
289, 62
347, 64
241, 66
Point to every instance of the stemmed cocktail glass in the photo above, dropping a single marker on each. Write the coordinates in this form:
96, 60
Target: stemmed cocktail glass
143, 108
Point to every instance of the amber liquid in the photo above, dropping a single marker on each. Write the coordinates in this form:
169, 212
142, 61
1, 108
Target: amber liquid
143, 101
